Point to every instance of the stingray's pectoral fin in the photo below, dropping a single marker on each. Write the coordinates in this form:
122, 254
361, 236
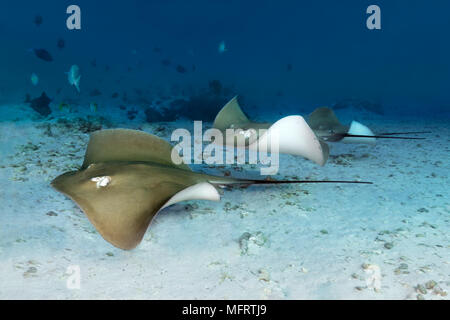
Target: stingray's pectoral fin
231, 114
293, 136
199, 191
359, 133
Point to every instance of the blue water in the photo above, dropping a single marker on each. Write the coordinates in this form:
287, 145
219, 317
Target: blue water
163, 62
283, 56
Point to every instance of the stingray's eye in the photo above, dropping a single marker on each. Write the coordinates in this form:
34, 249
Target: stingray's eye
101, 181
331, 131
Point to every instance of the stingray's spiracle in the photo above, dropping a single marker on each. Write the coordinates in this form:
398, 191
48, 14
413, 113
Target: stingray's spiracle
101, 181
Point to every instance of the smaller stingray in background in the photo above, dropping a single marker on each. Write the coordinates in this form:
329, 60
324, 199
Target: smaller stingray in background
181, 69
41, 105
295, 136
60, 43
129, 176
34, 79
327, 126
74, 76
38, 20
42, 54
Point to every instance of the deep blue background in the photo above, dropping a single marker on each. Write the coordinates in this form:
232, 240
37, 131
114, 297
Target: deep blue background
405, 65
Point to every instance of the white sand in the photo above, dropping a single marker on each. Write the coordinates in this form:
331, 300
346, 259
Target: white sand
278, 242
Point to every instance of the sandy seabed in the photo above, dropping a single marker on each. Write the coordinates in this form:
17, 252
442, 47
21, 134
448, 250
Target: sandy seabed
389, 240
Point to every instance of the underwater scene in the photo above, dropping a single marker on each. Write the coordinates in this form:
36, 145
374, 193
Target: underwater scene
225, 149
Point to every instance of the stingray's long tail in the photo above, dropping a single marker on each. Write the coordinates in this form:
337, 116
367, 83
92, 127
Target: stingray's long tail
382, 136
303, 181
399, 133
235, 181
388, 135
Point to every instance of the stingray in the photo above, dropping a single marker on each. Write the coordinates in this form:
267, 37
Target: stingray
128, 176
41, 104
295, 135
327, 126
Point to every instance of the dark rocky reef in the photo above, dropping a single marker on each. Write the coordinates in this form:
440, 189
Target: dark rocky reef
203, 105
88, 125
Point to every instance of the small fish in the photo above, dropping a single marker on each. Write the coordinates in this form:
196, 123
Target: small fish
42, 54
181, 69
61, 43
38, 20
63, 106
34, 79
93, 106
73, 75
222, 47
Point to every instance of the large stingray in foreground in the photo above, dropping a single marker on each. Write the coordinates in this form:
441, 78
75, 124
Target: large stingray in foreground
128, 176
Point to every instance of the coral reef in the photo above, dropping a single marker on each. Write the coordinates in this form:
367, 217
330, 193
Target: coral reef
203, 105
